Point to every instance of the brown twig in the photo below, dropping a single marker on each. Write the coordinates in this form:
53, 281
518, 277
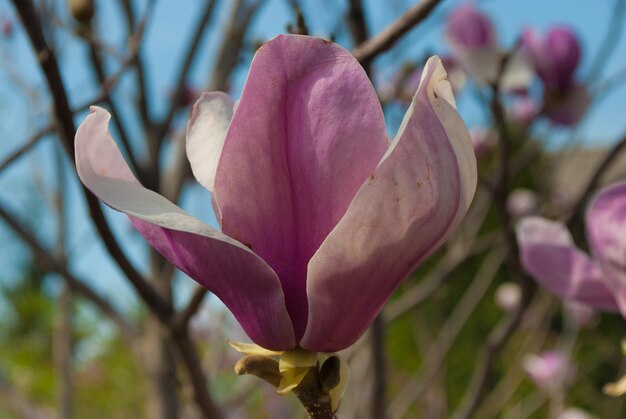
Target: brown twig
368, 50
182, 318
187, 351
578, 207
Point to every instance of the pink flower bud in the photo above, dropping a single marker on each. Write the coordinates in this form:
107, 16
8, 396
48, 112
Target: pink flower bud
521, 202
548, 370
469, 28
524, 110
555, 57
484, 141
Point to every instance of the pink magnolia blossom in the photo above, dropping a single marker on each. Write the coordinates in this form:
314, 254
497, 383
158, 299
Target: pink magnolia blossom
321, 216
555, 57
469, 28
474, 43
549, 254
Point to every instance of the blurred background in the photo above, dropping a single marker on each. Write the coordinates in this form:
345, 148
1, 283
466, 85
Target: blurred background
465, 336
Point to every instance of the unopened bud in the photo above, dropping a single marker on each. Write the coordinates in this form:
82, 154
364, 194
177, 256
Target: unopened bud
82, 10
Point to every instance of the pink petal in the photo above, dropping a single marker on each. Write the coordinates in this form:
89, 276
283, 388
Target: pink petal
404, 210
606, 231
548, 253
307, 131
242, 280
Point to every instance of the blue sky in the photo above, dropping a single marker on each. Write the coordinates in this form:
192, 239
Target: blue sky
166, 37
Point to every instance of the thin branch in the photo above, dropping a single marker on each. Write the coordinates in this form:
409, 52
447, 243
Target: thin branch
191, 362
33, 141
64, 115
98, 68
182, 318
368, 50
126, 331
143, 101
579, 206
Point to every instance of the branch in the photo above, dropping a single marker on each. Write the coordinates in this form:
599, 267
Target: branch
182, 318
191, 362
578, 207
368, 50
64, 116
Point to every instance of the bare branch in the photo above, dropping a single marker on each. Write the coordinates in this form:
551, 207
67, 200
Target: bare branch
368, 50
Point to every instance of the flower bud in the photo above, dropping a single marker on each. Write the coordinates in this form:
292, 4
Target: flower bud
469, 28
521, 202
483, 140
566, 108
508, 296
82, 10
555, 57
548, 370
524, 111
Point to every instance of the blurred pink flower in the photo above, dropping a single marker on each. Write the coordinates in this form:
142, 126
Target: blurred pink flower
521, 202
483, 140
549, 254
568, 107
555, 57
475, 48
549, 369
6, 26
321, 217
469, 28
524, 110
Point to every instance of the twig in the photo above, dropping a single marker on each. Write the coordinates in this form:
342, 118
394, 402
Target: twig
368, 50
34, 140
578, 207
182, 318
191, 362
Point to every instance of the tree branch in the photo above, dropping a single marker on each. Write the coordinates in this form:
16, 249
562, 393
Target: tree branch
368, 50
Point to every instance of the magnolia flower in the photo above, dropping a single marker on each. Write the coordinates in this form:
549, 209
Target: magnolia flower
549, 254
548, 370
555, 59
321, 216
474, 42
